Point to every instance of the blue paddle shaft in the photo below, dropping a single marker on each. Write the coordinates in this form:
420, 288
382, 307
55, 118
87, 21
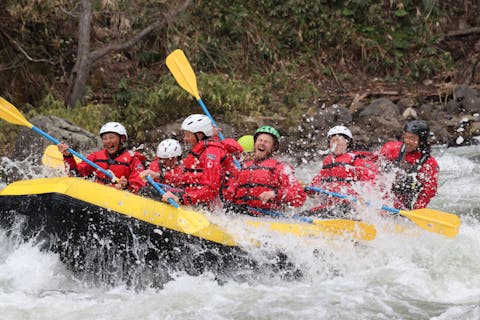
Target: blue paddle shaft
347, 197
162, 192
78, 155
281, 215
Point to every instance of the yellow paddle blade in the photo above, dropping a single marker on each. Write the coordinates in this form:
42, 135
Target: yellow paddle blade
53, 158
443, 223
9, 113
359, 230
191, 221
182, 71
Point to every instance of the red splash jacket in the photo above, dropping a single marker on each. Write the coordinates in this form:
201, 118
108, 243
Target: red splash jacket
125, 163
202, 172
171, 177
425, 171
338, 173
268, 174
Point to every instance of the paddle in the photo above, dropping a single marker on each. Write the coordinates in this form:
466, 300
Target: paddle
443, 223
191, 222
9, 113
359, 229
53, 158
183, 73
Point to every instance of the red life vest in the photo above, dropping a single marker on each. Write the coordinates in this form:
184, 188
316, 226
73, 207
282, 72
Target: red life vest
171, 177
339, 173
202, 172
124, 163
256, 177
348, 167
417, 170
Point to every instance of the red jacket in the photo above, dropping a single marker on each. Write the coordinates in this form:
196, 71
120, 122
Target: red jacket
426, 175
339, 173
234, 150
126, 164
202, 172
171, 177
268, 174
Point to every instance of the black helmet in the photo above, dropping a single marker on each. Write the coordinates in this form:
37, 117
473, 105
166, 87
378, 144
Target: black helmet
420, 128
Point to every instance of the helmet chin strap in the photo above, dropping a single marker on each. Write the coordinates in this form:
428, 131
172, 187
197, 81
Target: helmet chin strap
196, 137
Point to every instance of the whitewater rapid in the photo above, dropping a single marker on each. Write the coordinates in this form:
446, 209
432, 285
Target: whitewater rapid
419, 275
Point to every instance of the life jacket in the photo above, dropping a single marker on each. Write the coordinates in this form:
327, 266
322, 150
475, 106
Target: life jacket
346, 168
202, 172
168, 176
119, 164
123, 163
338, 168
254, 178
340, 173
192, 164
406, 184
416, 179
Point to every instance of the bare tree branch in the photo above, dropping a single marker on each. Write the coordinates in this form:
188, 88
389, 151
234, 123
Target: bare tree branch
86, 58
466, 32
19, 47
99, 53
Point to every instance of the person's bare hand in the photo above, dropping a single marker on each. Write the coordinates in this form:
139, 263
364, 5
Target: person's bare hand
266, 195
151, 173
168, 195
63, 149
122, 183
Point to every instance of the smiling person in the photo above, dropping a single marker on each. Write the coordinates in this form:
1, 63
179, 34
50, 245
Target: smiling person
203, 167
264, 182
126, 165
166, 167
342, 171
416, 169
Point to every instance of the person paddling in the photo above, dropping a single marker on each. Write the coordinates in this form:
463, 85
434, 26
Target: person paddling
205, 165
125, 164
166, 167
264, 182
343, 170
416, 170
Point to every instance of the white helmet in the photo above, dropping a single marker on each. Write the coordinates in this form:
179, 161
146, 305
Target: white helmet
198, 123
169, 148
339, 130
114, 127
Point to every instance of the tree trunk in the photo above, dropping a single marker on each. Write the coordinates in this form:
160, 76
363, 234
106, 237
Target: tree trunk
85, 58
79, 76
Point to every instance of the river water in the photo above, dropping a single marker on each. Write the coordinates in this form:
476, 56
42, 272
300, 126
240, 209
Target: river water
417, 275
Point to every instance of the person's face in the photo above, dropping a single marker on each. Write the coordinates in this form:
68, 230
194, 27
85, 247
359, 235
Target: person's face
189, 138
338, 144
111, 142
411, 141
168, 163
263, 145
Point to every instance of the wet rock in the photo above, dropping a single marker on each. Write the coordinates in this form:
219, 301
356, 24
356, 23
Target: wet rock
326, 117
465, 100
426, 112
30, 144
380, 121
382, 107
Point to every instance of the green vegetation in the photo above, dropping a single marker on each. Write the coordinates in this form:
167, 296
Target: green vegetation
252, 58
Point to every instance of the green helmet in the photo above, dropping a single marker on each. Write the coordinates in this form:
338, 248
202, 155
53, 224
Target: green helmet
246, 142
270, 130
